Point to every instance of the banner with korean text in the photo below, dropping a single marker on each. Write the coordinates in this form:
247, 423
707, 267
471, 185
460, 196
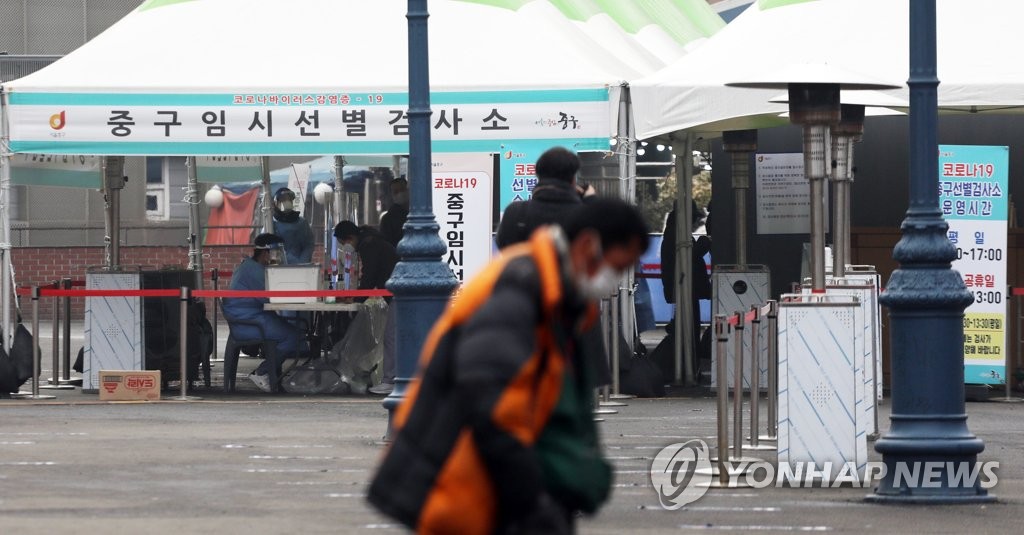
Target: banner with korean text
272, 123
461, 196
516, 168
973, 195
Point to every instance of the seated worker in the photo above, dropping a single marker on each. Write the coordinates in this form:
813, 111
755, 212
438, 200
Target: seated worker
250, 275
378, 259
292, 228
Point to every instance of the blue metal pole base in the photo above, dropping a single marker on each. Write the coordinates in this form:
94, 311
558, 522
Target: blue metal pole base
422, 284
928, 443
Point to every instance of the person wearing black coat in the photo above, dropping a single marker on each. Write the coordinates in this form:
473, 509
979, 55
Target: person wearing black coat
700, 283
555, 198
378, 258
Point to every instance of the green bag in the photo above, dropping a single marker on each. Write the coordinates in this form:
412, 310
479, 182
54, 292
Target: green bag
575, 471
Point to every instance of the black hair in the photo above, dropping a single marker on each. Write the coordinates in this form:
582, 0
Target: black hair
282, 191
266, 240
345, 229
618, 223
399, 180
558, 163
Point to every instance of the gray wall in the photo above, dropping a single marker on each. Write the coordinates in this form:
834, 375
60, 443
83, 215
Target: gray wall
879, 192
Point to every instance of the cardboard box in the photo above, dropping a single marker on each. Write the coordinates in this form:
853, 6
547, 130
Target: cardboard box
129, 385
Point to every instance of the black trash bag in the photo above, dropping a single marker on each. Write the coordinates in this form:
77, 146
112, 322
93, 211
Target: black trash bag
8, 374
21, 353
640, 376
78, 366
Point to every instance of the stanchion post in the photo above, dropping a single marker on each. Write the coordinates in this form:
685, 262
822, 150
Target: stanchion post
215, 278
35, 340
773, 368
66, 350
54, 382
55, 339
614, 333
722, 339
755, 374
183, 301
737, 392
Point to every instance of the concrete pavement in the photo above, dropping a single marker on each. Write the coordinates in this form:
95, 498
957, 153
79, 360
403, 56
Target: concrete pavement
255, 464
259, 464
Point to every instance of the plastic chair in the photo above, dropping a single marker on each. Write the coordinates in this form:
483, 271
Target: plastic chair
234, 346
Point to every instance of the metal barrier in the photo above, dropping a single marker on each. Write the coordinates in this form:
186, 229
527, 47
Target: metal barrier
185, 295
736, 326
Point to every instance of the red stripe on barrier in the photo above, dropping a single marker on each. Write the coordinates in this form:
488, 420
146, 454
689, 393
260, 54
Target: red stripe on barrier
47, 292
1017, 291
291, 293
174, 292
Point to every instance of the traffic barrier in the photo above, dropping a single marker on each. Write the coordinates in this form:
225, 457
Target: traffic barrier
736, 327
65, 289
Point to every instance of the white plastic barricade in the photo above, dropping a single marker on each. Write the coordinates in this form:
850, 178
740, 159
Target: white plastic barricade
865, 351
736, 289
869, 275
113, 327
821, 387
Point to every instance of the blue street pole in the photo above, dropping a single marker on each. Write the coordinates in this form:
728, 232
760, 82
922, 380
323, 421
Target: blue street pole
926, 301
421, 282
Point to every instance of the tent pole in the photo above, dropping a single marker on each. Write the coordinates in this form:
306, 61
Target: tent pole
195, 254
684, 246
267, 211
339, 211
113, 183
616, 312
5, 225
626, 304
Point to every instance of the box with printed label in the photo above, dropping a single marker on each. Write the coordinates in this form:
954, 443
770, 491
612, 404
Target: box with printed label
129, 385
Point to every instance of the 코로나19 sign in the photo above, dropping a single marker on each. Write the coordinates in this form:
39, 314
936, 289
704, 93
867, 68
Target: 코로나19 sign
973, 196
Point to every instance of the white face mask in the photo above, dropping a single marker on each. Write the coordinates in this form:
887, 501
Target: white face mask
348, 248
277, 257
603, 284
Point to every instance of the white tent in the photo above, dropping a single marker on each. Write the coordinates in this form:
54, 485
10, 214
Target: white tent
210, 65
977, 67
202, 77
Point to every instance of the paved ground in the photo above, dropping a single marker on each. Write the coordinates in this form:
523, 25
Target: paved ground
256, 464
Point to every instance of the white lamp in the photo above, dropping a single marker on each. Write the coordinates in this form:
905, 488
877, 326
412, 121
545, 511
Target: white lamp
323, 193
214, 198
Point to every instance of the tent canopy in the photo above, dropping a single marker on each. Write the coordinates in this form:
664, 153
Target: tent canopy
196, 77
977, 69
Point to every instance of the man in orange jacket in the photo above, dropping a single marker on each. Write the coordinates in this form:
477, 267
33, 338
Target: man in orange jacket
496, 434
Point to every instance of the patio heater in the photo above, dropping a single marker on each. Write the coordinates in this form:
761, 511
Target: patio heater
848, 131
814, 104
740, 144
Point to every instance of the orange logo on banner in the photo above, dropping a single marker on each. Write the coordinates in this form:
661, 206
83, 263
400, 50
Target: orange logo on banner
57, 121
